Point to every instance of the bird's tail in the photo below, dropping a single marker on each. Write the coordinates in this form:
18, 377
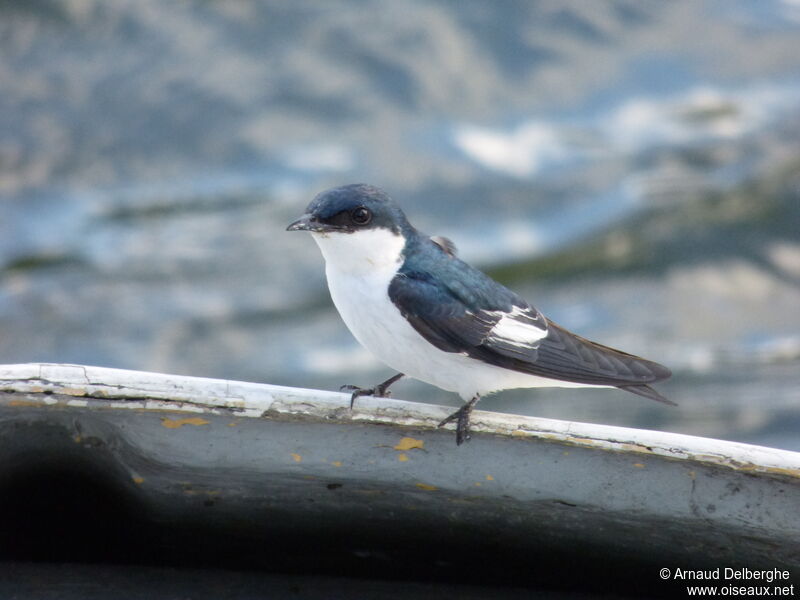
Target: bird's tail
647, 392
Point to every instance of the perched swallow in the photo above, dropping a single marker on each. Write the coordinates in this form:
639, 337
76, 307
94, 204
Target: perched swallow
413, 303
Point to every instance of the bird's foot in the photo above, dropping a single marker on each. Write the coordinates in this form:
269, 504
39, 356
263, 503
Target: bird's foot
379, 391
461, 416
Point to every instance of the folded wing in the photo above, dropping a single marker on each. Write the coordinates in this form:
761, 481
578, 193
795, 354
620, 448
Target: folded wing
507, 332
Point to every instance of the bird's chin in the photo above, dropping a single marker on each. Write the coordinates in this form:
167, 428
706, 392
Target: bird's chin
363, 250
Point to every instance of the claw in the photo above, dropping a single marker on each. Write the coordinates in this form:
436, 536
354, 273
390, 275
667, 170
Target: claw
379, 391
462, 425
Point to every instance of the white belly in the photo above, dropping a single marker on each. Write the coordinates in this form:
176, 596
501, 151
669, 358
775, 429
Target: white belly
364, 305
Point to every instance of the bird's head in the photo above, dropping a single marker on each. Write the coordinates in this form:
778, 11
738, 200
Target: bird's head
356, 224
350, 209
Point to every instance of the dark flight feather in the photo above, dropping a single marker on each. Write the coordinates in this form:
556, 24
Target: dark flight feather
460, 317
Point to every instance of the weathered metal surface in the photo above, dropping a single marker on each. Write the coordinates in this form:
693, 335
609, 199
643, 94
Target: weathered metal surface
257, 458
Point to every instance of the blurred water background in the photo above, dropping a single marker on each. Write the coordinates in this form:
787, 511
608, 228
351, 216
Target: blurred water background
630, 167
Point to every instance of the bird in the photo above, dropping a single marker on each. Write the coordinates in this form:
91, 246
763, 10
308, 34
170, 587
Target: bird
428, 315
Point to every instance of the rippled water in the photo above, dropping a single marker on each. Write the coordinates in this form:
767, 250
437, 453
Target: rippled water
631, 169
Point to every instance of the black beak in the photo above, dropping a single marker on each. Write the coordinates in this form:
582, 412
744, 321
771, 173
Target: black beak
311, 223
304, 223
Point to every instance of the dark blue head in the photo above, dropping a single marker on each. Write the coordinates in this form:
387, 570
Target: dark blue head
352, 208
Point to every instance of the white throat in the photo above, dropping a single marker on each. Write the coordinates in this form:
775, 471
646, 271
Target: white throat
373, 250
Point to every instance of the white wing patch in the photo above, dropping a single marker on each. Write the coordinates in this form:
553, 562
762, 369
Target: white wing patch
520, 327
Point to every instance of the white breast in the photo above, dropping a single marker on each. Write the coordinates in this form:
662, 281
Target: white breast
359, 267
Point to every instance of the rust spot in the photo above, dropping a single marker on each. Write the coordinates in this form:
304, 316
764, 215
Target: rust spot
409, 443
425, 486
297, 457
175, 423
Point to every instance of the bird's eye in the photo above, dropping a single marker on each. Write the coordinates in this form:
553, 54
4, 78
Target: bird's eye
361, 215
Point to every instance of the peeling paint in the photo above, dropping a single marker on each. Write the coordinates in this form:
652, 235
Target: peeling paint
773, 470
176, 423
70, 391
409, 443
192, 492
25, 403
101, 388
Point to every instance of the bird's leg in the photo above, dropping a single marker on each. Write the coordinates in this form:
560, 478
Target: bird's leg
462, 424
379, 391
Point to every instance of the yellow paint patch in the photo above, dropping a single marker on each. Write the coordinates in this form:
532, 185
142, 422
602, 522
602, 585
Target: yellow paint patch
297, 457
409, 443
478, 484
425, 486
234, 424
519, 433
638, 465
489, 478
138, 480
337, 463
175, 423
402, 457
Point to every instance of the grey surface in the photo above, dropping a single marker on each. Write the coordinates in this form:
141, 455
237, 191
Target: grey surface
542, 494
31, 581
117, 467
